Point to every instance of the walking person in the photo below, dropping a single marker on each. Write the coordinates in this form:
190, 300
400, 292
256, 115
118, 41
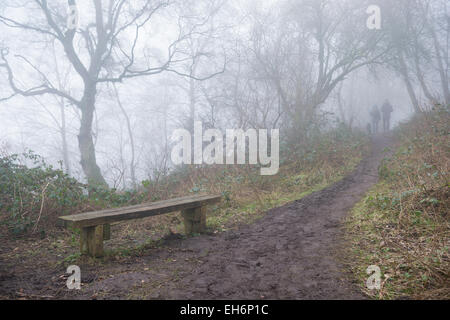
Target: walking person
386, 109
369, 129
375, 115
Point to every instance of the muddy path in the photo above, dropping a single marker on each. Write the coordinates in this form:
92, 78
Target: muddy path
290, 253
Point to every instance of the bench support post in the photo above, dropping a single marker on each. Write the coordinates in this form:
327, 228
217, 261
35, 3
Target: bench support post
106, 232
91, 241
194, 220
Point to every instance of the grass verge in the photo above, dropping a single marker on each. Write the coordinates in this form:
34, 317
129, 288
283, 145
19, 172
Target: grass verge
402, 225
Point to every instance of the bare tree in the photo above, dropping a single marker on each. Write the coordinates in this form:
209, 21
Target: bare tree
114, 36
438, 18
130, 136
311, 48
421, 54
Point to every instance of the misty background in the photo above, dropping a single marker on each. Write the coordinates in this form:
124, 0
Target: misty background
298, 65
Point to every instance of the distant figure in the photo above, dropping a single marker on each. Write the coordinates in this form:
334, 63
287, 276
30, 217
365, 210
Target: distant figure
386, 109
369, 129
375, 115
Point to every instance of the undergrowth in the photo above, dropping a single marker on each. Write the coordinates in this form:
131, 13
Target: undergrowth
33, 194
246, 196
402, 225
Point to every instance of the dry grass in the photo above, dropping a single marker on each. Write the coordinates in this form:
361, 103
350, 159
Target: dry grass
246, 196
402, 225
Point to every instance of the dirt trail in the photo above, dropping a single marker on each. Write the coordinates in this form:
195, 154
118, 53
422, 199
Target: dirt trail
290, 253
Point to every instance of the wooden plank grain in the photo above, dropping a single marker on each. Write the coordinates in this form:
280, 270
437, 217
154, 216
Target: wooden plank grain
149, 206
139, 211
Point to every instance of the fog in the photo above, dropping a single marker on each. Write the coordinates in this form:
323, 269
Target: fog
146, 68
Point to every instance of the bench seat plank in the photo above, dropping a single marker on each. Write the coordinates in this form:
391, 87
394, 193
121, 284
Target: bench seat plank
102, 217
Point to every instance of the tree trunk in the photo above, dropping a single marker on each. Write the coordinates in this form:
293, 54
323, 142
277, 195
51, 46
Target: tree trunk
130, 135
409, 86
85, 141
63, 131
421, 78
192, 103
442, 72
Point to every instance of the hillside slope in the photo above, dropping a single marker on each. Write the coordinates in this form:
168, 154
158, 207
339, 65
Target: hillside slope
402, 225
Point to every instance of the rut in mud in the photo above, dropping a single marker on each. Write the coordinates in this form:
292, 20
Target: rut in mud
290, 253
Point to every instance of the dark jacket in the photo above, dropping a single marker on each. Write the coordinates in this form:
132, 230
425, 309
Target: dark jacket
375, 113
386, 109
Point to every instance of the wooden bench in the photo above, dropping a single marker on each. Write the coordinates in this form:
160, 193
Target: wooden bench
95, 226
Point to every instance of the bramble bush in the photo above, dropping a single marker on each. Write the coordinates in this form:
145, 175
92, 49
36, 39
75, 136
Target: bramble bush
34, 194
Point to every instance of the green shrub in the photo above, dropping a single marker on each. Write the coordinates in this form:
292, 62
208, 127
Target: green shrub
33, 194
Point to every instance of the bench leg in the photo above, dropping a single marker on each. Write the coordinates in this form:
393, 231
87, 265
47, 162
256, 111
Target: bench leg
91, 241
106, 232
194, 220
